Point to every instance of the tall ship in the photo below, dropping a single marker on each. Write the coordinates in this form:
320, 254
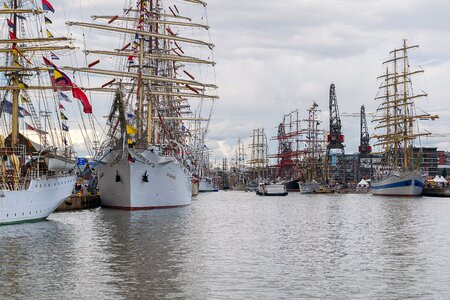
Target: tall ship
158, 93
397, 172
36, 173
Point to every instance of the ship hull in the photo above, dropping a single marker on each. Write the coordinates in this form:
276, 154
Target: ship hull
292, 186
36, 203
406, 184
206, 185
150, 182
308, 187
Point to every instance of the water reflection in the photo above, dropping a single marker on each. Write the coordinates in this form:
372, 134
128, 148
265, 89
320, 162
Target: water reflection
235, 245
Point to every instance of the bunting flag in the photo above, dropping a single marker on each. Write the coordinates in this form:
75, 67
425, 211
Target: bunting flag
63, 116
61, 106
7, 108
58, 78
12, 36
11, 24
49, 34
47, 6
48, 21
22, 85
64, 127
29, 127
23, 99
63, 97
53, 56
131, 129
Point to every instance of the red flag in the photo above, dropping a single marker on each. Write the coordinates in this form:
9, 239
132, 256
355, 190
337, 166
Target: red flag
76, 91
12, 35
79, 94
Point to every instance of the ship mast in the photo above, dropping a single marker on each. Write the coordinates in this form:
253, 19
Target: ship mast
398, 110
15, 82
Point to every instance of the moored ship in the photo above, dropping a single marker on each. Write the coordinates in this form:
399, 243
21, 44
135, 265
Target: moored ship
397, 172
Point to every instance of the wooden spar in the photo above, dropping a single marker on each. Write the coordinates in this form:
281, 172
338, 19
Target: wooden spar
34, 40
393, 76
140, 32
399, 120
186, 59
39, 48
123, 48
134, 75
17, 87
188, 74
108, 83
19, 68
196, 2
407, 98
182, 119
404, 48
113, 19
6, 11
162, 15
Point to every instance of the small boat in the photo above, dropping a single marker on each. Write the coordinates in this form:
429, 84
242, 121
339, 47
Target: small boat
271, 189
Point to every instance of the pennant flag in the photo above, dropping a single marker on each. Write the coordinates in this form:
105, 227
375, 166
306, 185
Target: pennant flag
47, 6
11, 24
53, 56
59, 77
29, 127
131, 158
21, 17
130, 116
49, 34
12, 35
7, 108
5, 5
63, 97
63, 116
131, 129
64, 127
22, 85
61, 106
65, 141
23, 99
48, 21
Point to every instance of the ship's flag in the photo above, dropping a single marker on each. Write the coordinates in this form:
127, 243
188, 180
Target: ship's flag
49, 34
23, 99
64, 127
61, 106
65, 141
11, 24
63, 117
21, 17
63, 97
131, 129
22, 85
53, 56
7, 108
130, 116
58, 78
12, 36
29, 127
47, 6
47, 20
131, 158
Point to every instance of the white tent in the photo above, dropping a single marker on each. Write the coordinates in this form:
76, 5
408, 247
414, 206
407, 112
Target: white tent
443, 179
363, 183
437, 179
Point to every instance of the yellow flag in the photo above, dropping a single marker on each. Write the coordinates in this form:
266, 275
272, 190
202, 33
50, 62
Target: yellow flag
5, 6
49, 35
23, 99
131, 129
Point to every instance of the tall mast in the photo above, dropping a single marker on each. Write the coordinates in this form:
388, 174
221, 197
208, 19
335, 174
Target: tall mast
15, 92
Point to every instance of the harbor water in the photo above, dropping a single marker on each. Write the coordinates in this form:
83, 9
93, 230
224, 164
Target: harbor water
235, 245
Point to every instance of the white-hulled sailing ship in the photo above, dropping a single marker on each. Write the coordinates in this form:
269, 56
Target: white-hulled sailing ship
36, 172
146, 161
398, 173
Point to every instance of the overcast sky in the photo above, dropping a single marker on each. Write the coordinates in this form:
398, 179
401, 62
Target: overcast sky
277, 56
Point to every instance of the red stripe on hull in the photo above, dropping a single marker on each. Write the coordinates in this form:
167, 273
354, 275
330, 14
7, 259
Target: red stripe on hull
143, 208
